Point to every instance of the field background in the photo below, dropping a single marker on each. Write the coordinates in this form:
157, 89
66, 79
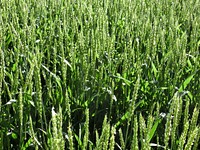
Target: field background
99, 74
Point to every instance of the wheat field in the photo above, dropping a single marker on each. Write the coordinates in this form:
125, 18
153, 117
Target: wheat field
101, 74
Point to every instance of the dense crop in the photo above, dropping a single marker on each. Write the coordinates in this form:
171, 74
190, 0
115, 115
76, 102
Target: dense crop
99, 74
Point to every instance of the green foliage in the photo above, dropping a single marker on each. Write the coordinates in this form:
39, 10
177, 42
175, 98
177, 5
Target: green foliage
99, 74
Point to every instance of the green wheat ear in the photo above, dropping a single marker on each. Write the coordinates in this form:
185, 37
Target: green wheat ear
36, 142
103, 141
191, 138
1, 81
193, 133
56, 138
176, 117
112, 138
134, 144
121, 137
70, 137
194, 120
196, 143
183, 137
86, 136
143, 132
21, 105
